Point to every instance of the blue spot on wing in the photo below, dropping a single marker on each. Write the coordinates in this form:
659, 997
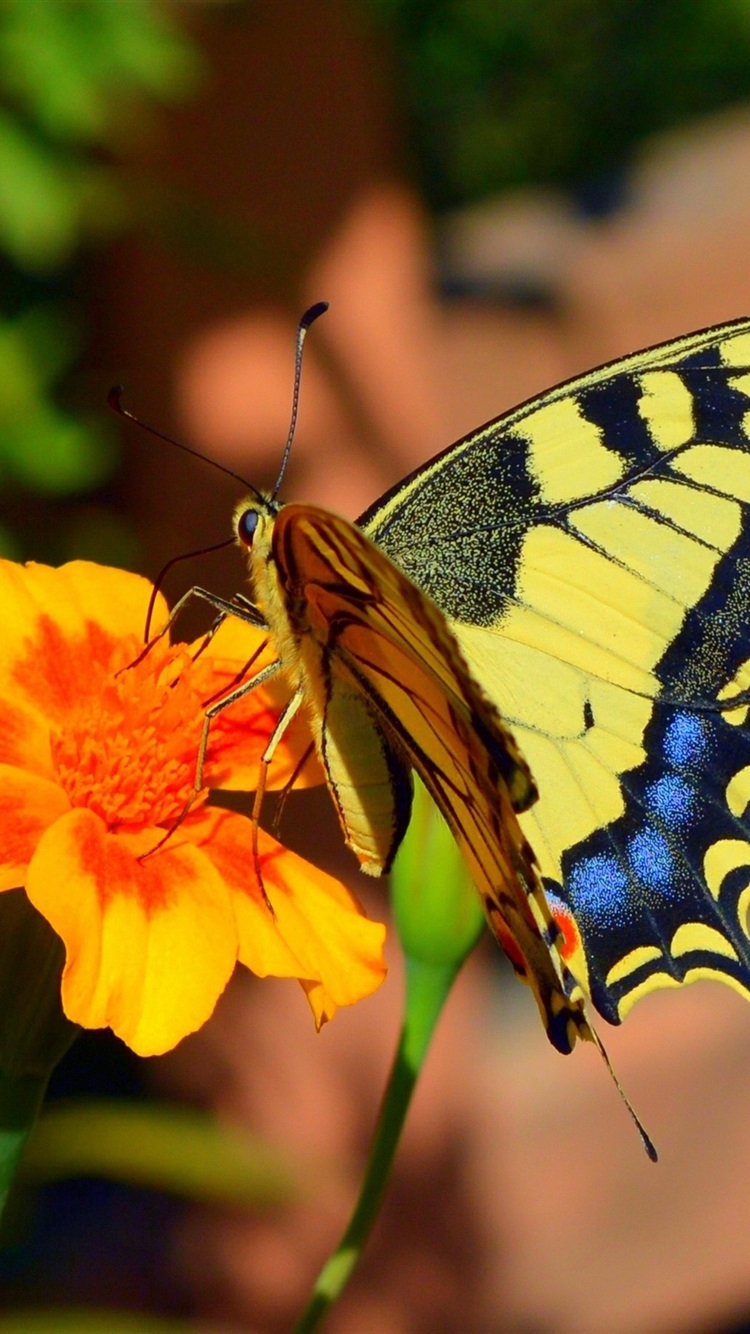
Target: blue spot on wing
598, 888
685, 741
651, 860
674, 802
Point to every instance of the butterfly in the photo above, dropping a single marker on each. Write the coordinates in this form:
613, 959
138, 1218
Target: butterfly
564, 593
550, 622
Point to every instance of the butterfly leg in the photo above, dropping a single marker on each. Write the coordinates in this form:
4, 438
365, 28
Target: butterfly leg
218, 706
288, 786
278, 732
236, 606
281, 725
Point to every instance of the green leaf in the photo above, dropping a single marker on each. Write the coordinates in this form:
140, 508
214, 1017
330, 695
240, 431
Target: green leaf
74, 69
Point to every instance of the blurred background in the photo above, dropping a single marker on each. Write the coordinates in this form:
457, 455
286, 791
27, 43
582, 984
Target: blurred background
493, 195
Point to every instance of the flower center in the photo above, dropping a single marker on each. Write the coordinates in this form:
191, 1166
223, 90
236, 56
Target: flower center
129, 750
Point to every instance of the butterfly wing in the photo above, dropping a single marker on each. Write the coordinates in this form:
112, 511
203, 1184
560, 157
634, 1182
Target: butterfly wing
591, 550
365, 633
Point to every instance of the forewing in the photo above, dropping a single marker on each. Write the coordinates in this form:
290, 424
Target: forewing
592, 551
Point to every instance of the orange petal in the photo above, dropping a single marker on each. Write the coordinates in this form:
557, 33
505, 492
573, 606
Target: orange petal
330, 945
82, 592
24, 736
150, 945
227, 839
28, 806
57, 623
336, 942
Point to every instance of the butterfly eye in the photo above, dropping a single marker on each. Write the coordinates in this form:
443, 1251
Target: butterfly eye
247, 525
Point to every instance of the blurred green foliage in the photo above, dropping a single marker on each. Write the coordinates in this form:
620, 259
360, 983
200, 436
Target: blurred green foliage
158, 1146
78, 79
500, 93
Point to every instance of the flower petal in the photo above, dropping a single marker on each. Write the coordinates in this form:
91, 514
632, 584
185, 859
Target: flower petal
82, 592
227, 839
236, 640
320, 933
24, 736
28, 806
334, 939
150, 945
56, 625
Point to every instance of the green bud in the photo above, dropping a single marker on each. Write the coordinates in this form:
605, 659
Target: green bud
438, 914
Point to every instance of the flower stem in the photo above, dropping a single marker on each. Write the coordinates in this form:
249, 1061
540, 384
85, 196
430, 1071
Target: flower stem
427, 988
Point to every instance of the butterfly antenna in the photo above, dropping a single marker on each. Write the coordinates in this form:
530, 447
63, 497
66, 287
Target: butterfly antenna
309, 317
114, 399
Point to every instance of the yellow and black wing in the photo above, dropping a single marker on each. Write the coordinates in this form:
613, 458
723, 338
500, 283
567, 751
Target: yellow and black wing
591, 550
374, 649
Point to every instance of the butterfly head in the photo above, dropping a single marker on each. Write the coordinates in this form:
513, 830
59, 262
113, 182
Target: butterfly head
254, 520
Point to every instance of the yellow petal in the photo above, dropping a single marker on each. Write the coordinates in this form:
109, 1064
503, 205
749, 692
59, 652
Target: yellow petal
318, 933
150, 945
28, 806
237, 641
57, 624
330, 934
82, 592
227, 840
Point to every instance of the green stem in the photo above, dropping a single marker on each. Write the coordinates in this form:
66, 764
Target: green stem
427, 988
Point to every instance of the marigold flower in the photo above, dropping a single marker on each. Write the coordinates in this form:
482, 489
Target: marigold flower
97, 762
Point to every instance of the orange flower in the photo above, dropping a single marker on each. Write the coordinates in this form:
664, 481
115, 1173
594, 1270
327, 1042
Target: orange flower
97, 761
